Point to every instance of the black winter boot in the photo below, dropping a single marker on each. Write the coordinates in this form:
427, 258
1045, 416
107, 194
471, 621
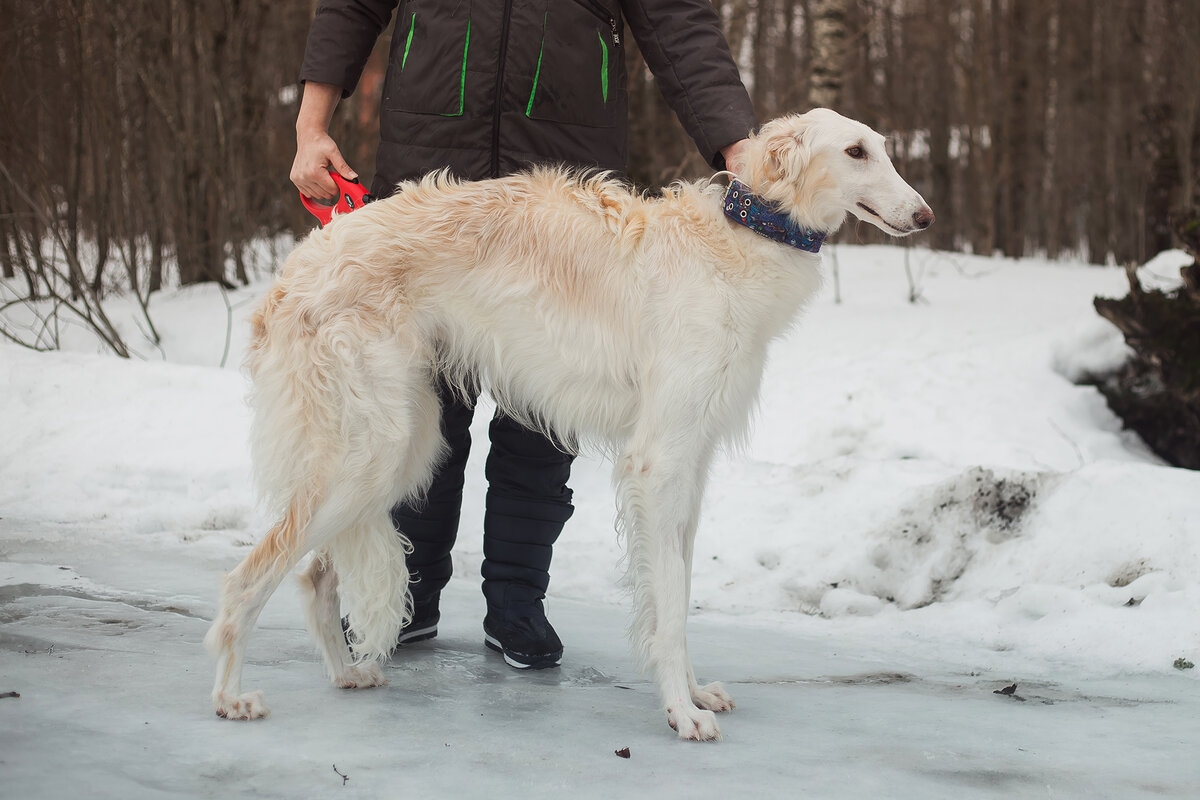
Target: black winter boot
527, 504
521, 633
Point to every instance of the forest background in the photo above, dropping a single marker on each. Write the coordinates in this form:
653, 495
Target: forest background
148, 142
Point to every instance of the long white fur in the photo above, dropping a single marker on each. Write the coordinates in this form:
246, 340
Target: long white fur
640, 325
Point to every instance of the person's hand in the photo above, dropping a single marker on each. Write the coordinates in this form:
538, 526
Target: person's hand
735, 156
316, 152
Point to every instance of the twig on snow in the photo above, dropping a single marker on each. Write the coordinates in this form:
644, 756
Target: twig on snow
228, 323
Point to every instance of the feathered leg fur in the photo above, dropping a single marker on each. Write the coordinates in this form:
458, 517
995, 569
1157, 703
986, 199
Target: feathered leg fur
347, 425
660, 480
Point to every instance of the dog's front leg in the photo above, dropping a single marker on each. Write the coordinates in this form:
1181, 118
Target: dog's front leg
713, 696
659, 494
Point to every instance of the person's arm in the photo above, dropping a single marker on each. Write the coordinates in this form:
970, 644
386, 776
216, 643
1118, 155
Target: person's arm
315, 149
340, 40
684, 47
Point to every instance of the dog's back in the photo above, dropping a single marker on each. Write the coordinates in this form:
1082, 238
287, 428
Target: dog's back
542, 285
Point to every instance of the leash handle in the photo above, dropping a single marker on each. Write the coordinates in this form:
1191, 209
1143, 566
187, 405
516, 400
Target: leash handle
351, 195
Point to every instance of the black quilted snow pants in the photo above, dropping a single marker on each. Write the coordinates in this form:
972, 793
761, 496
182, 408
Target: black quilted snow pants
528, 503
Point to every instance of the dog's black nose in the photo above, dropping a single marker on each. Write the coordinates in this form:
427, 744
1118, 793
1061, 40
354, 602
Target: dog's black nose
923, 218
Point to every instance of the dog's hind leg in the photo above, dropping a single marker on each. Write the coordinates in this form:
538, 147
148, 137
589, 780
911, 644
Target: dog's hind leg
244, 593
396, 444
660, 482
319, 585
246, 590
345, 426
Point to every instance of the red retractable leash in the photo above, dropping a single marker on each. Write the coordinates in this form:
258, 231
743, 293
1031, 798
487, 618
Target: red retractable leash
351, 195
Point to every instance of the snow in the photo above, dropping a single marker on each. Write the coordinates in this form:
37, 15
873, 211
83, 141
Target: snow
930, 509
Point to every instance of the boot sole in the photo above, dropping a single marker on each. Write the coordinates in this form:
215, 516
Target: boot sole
542, 662
409, 637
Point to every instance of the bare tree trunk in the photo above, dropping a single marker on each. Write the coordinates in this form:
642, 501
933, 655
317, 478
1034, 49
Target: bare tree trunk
935, 112
788, 74
1157, 114
829, 45
760, 53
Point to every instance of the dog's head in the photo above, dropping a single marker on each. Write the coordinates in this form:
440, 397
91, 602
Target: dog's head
819, 166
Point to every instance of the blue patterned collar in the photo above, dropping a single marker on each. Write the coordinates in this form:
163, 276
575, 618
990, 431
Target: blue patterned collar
764, 218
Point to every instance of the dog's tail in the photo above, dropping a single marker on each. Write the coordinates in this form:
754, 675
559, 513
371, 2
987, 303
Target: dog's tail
345, 422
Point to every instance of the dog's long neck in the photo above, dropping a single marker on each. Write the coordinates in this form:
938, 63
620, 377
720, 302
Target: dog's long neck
775, 280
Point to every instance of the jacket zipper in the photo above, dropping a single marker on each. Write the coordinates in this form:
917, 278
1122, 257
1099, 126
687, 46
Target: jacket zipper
499, 89
605, 15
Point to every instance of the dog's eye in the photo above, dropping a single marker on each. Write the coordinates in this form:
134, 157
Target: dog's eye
856, 152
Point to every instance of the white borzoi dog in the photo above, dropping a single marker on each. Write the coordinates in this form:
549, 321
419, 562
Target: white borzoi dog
638, 324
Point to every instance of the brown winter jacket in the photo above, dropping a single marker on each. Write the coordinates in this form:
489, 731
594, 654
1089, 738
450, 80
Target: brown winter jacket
487, 87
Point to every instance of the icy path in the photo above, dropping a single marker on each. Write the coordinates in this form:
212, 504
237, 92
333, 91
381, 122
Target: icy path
106, 657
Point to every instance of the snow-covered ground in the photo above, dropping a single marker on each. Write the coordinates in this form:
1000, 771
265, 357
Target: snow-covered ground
930, 510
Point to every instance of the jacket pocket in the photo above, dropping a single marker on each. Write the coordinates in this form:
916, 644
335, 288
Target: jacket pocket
580, 66
427, 70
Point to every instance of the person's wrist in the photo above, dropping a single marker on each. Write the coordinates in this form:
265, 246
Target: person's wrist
735, 154
309, 130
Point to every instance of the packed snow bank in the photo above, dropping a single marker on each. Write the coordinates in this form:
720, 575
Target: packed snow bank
907, 456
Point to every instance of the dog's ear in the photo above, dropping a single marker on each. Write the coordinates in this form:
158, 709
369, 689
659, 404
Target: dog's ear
787, 152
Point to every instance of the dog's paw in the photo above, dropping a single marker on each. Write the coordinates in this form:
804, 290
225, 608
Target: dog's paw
247, 706
713, 697
694, 723
361, 677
